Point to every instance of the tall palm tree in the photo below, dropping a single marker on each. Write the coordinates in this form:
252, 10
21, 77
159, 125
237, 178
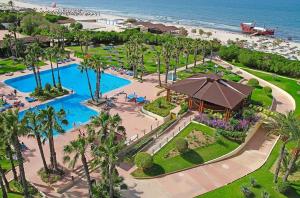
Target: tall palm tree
3, 188
83, 67
106, 153
49, 54
295, 134
97, 64
187, 51
167, 50
12, 28
59, 54
76, 150
177, 52
13, 128
8, 43
2, 172
34, 52
9, 153
33, 124
196, 44
158, 61
51, 121
282, 125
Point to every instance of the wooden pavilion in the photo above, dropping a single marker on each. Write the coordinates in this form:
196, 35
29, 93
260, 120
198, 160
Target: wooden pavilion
210, 91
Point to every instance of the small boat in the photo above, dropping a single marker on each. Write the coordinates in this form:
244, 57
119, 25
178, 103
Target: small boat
251, 28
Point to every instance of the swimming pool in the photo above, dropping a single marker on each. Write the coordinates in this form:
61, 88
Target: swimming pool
73, 79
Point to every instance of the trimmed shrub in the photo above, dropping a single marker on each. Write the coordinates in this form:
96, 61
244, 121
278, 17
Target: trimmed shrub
143, 160
254, 183
253, 82
283, 187
268, 90
246, 191
181, 145
265, 194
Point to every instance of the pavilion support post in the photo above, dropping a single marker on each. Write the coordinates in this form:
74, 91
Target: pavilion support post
190, 103
201, 106
227, 114
168, 95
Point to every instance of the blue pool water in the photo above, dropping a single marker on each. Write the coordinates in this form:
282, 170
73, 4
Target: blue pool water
71, 78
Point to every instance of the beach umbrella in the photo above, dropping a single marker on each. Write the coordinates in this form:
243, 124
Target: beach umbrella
53, 5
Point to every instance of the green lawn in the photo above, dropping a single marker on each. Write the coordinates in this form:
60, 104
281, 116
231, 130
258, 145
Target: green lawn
289, 85
209, 68
190, 158
263, 175
117, 56
260, 97
15, 193
160, 107
9, 65
264, 178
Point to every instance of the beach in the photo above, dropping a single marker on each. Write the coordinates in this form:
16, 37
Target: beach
99, 21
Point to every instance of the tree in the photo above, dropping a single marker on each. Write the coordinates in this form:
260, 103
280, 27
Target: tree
2, 172
106, 154
9, 153
187, 51
167, 50
11, 4
83, 67
34, 52
8, 43
177, 51
76, 150
196, 43
143, 160
34, 127
59, 54
181, 144
49, 54
3, 188
13, 128
97, 64
50, 121
158, 62
12, 28
133, 52
75, 26
282, 125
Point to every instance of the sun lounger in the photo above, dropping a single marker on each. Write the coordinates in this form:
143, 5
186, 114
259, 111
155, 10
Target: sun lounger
140, 100
9, 74
7, 106
131, 96
129, 73
30, 99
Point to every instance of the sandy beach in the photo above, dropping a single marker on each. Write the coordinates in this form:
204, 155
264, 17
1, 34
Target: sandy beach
104, 22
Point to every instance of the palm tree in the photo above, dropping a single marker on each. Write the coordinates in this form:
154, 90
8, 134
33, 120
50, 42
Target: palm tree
177, 52
158, 58
11, 4
33, 124
97, 64
49, 54
167, 50
295, 135
3, 188
13, 128
2, 172
8, 43
203, 47
78, 148
34, 52
83, 67
12, 28
106, 153
187, 51
52, 121
282, 125
59, 53
196, 44
9, 153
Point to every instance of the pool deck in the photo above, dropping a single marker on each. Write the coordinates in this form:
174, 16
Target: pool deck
135, 123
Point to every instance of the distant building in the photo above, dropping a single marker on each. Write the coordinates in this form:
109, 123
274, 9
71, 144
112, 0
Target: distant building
156, 28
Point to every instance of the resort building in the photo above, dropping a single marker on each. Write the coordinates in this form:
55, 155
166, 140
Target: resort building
210, 91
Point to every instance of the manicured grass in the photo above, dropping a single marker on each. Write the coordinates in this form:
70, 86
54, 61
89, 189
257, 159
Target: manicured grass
116, 56
209, 67
160, 107
190, 158
289, 85
260, 97
264, 178
9, 65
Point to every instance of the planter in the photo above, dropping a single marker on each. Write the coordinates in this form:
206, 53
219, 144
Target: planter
155, 116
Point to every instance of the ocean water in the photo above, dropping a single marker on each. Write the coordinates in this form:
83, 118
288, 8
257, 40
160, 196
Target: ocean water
73, 79
283, 15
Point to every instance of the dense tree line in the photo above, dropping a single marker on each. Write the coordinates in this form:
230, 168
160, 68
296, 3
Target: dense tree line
260, 60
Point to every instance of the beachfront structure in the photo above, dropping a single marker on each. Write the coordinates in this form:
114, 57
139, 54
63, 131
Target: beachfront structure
210, 91
156, 28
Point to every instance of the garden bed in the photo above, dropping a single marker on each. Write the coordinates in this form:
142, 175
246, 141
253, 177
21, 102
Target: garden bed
159, 107
209, 149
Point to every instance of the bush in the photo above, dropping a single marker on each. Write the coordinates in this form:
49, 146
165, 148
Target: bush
253, 82
283, 187
49, 178
160, 107
181, 145
246, 191
265, 194
48, 87
143, 160
254, 183
268, 90
232, 135
183, 108
54, 18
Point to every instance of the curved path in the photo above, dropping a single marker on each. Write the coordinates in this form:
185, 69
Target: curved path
202, 179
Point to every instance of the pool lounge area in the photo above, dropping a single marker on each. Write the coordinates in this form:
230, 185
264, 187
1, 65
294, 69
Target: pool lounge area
72, 79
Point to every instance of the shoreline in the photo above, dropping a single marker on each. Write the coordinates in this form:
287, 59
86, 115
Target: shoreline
108, 22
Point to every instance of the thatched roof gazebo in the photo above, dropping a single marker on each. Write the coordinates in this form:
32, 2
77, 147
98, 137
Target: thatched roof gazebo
212, 92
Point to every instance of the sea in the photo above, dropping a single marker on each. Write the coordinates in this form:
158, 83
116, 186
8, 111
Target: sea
282, 15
